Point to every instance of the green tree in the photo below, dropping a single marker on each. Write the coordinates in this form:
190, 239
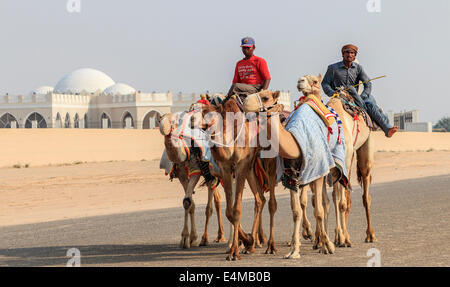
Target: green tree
443, 123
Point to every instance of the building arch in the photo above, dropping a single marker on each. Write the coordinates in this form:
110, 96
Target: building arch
105, 121
76, 121
8, 121
151, 120
35, 120
127, 120
85, 121
58, 121
67, 122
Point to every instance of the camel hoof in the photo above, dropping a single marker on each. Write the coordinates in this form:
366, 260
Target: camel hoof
327, 248
348, 243
307, 233
185, 243
233, 258
340, 245
262, 238
307, 237
292, 255
271, 251
249, 250
220, 239
371, 238
204, 242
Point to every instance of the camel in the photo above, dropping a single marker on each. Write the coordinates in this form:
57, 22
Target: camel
178, 155
235, 156
289, 149
357, 138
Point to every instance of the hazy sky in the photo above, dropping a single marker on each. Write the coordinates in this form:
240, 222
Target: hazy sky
193, 46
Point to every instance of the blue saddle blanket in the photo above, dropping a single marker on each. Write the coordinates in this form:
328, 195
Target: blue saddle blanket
322, 148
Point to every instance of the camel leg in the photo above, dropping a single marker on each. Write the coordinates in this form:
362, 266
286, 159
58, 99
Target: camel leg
208, 214
339, 239
271, 249
261, 238
306, 225
319, 213
235, 217
189, 206
259, 201
297, 217
317, 243
348, 197
229, 185
364, 166
325, 203
220, 232
184, 243
193, 235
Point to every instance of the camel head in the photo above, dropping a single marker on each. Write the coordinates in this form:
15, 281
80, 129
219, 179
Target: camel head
167, 124
310, 85
261, 101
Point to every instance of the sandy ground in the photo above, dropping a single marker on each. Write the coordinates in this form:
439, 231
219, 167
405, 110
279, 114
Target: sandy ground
48, 193
58, 146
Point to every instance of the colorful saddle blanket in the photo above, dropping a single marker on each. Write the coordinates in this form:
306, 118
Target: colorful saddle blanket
355, 111
191, 138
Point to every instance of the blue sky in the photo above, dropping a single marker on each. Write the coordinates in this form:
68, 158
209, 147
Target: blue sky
192, 46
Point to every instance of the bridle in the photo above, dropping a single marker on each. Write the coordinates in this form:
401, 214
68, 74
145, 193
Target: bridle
266, 109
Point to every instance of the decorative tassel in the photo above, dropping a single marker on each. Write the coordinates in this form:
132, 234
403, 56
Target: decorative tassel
330, 132
339, 135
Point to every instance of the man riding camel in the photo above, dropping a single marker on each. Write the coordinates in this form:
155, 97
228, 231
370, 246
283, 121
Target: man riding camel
251, 74
348, 73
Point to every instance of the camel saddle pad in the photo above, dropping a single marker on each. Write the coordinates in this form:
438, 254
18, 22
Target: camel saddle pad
354, 110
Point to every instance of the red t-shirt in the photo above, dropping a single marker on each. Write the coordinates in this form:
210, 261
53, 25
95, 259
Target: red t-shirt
203, 101
253, 71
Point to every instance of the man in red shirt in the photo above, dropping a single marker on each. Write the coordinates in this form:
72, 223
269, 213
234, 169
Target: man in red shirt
251, 74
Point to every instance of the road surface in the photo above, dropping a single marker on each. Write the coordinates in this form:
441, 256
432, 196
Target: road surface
411, 221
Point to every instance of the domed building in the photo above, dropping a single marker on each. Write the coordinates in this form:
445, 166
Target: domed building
88, 98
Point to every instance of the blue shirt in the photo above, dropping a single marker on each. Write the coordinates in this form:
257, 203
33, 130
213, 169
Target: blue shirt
338, 75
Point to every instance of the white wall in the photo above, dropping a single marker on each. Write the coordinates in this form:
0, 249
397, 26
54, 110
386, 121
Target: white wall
419, 127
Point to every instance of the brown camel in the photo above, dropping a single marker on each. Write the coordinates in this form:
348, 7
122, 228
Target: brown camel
177, 153
233, 154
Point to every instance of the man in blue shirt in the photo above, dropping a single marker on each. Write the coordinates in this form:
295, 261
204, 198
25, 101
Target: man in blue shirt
348, 73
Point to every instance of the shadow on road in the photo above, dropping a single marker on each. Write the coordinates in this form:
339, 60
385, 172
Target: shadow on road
105, 254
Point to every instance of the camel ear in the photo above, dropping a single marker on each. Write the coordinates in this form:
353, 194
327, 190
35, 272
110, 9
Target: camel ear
276, 95
320, 78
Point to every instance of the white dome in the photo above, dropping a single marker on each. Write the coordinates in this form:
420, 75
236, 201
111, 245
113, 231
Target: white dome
89, 80
119, 88
42, 90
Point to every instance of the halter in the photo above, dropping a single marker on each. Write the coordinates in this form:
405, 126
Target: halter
263, 108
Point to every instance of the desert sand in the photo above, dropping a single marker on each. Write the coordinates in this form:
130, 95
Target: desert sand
79, 173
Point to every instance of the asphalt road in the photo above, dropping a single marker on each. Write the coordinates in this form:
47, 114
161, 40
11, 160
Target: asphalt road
411, 221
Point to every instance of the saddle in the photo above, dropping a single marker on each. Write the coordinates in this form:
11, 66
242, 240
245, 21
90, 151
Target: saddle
355, 111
